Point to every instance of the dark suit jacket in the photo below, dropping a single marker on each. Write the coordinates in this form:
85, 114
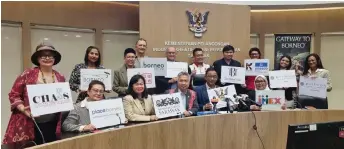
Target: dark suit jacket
252, 95
191, 100
217, 66
202, 96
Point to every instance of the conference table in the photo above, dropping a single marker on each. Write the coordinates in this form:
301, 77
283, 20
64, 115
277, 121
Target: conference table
220, 131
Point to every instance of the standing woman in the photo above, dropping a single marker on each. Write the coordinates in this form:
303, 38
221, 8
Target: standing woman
290, 92
315, 69
21, 126
92, 60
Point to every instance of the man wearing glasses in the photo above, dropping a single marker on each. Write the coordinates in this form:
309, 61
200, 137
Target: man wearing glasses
201, 91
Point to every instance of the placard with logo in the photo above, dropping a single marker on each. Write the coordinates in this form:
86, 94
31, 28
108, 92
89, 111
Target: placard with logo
270, 99
256, 67
174, 68
167, 105
282, 78
315, 87
49, 98
159, 65
234, 75
106, 112
147, 73
88, 75
219, 94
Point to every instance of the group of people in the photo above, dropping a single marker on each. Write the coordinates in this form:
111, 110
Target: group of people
137, 99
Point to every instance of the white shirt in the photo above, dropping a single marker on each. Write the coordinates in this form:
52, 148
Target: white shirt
201, 69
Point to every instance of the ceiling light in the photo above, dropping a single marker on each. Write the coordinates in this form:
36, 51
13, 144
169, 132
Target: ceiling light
77, 36
7, 38
65, 35
46, 38
107, 40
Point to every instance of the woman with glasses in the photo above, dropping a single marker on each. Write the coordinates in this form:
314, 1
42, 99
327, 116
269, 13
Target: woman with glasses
254, 53
138, 105
21, 126
92, 60
78, 119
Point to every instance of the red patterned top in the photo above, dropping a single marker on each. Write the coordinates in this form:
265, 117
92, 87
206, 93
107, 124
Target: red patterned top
21, 127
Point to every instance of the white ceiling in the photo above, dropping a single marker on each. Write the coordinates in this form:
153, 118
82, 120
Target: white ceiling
270, 2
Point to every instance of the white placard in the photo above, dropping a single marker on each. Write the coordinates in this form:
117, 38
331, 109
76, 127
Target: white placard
270, 99
256, 67
282, 78
147, 73
159, 65
168, 105
49, 98
103, 75
106, 112
315, 87
174, 68
234, 75
221, 93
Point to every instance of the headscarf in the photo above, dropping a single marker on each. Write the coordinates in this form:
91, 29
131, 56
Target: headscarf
266, 80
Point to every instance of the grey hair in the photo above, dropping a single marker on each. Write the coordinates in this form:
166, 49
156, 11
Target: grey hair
183, 73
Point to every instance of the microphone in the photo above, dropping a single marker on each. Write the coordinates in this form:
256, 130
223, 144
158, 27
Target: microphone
240, 99
229, 107
248, 99
120, 120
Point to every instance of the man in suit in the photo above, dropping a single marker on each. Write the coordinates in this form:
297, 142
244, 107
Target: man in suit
201, 91
120, 81
227, 60
189, 97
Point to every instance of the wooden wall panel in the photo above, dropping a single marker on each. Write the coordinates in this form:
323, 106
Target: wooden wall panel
167, 21
221, 131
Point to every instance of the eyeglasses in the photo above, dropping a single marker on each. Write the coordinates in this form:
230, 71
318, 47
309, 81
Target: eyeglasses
47, 57
212, 77
97, 91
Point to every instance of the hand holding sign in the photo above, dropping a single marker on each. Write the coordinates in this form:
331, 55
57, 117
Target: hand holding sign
89, 127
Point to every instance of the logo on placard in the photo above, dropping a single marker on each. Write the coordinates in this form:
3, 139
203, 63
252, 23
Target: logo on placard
272, 77
221, 93
167, 101
155, 66
341, 132
301, 83
147, 76
197, 22
264, 100
59, 97
232, 72
261, 66
248, 66
99, 77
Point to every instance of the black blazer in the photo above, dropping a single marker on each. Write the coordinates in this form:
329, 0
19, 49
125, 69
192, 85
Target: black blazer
217, 66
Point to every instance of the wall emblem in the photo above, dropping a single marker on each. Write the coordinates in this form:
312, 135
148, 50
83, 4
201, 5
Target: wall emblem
197, 22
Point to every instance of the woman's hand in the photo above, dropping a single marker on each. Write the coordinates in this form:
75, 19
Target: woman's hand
153, 118
255, 108
24, 110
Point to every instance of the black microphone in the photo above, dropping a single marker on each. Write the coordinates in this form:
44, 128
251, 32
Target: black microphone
229, 107
248, 98
240, 99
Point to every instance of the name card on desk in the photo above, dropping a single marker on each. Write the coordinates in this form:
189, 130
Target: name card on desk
168, 105
315, 87
106, 112
88, 75
49, 98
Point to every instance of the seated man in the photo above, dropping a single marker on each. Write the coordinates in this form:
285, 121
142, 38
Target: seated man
189, 98
78, 119
120, 80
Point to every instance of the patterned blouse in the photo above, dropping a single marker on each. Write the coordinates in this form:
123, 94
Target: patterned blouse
74, 80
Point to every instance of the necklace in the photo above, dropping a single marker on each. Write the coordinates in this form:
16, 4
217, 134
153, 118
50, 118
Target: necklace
44, 80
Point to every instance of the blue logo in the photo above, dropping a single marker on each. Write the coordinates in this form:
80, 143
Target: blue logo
261, 64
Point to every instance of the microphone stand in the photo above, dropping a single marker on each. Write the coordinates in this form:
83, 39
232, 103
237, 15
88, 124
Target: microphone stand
229, 107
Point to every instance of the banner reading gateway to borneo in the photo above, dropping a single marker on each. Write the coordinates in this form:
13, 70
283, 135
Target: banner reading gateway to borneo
297, 46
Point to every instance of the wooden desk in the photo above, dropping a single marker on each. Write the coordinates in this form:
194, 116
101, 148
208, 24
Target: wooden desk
222, 131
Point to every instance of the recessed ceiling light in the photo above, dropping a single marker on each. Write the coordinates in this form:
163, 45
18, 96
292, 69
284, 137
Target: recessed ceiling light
77, 36
7, 38
107, 40
46, 38
65, 35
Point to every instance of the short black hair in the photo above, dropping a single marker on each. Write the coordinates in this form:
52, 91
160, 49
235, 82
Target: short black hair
254, 49
134, 80
88, 50
95, 82
228, 48
129, 50
210, 69
195, 50
306, 65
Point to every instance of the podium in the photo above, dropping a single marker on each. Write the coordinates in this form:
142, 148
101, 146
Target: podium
222, 131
